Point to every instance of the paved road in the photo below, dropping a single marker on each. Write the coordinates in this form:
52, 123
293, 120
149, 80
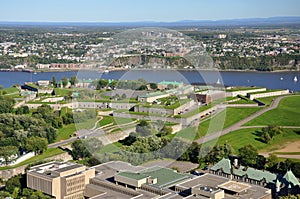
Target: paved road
239, 125
62, 143
91, 133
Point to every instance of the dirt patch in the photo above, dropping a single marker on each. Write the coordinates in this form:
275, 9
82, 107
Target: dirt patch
290, 147
180, 165
287, 147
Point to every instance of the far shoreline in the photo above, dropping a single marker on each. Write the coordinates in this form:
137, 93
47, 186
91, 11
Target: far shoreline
147, 69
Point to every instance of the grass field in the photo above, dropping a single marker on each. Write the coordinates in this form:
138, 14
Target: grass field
225, 119
47, 154
63, 91
10, 90
242, 137
68, 130
287, 114
114, 147
188, 133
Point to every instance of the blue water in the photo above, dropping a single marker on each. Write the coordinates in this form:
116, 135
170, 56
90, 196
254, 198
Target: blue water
264, 79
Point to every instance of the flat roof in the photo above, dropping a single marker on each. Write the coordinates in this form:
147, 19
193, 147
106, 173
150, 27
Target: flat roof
67, 168
165, 177
233, 186
135, 176
206, 179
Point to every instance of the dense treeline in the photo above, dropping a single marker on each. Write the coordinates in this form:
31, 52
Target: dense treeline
7, 61
23, 131
148, 143
262, 63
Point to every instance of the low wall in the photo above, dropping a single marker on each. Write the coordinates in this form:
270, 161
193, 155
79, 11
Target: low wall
242, 105
8, 173
244, 92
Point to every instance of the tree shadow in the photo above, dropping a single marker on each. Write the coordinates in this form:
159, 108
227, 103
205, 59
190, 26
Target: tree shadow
258, 133
297, 132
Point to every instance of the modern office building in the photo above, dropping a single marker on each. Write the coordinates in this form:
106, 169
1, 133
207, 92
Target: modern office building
62, 180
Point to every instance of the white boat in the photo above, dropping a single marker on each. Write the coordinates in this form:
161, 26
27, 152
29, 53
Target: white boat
281, 78
106, 71
295, 79
218, 82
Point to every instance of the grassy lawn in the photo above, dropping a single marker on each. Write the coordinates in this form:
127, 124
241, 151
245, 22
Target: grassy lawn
267, 100
68, 130
287, 114
10, 90
106, 120
47, 154
189, 133
114, 147
121, 120
225, 119
243, 100
63, 91
238, 139
194, 112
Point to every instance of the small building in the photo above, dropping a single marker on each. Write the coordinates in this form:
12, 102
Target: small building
169, 84
257, 95
206, 97
243, 91
44, 83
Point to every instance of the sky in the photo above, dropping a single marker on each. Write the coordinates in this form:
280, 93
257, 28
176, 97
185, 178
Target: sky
143, 10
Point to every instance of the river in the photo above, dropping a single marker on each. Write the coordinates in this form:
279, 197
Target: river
271, 80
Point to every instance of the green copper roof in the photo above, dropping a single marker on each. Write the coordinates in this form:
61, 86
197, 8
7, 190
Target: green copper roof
224, 164
290, 178
169, 82
251, 173
260, 175
239, 171
165, 177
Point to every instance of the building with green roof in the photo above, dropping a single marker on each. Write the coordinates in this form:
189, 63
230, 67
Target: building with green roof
158, 177
251, 175
222, 168
165, 84
290, 180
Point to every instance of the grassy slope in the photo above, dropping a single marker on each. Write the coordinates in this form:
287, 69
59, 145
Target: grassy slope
231, 116
68, 130
47, 154
242, 137
287, 114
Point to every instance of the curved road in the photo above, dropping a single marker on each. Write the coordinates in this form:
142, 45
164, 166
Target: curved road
239, 125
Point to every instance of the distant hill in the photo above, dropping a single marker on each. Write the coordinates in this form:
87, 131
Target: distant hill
227, 22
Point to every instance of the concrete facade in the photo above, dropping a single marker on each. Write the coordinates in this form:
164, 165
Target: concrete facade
253, 96
244, 92
60, 180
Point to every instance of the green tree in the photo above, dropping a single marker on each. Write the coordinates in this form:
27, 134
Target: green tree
153, 86
64, 81
144, 128
54, 81
102, 83
248, 155
73, 80
8, 153
36, 144
79, 150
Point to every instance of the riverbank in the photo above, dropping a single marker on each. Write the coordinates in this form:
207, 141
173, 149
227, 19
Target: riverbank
140, 69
